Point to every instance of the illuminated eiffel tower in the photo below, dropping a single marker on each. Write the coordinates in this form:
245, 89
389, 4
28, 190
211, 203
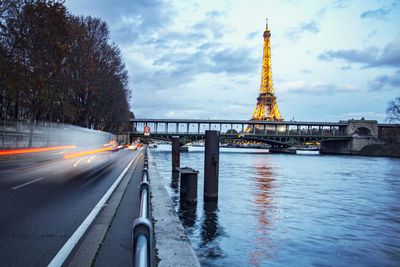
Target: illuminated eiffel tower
266, 108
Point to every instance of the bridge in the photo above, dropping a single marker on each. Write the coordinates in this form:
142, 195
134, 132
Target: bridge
335, 137
275, 133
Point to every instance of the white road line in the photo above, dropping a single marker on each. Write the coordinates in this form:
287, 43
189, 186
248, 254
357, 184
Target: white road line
16, 187
64, 252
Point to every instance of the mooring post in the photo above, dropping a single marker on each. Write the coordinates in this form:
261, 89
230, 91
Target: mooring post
175, 153
188, 187
211, 165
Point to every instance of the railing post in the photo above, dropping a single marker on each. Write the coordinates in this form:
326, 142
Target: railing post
211, 165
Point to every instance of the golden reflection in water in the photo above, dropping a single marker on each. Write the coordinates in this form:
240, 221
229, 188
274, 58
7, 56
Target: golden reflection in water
263, 203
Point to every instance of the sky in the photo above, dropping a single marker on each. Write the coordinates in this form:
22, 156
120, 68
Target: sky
331, 60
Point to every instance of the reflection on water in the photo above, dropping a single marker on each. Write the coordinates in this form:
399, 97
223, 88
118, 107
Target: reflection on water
187, 213
292, 210
264, 206
175, 181
210, 231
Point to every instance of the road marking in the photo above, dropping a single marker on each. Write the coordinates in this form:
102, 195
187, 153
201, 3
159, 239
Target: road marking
64, 252
90, 160
16, 187
77, 162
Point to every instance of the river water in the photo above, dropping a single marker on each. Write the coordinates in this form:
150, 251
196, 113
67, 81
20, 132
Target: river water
292, 210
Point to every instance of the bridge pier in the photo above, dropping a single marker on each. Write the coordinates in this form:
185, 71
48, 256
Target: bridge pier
363, 133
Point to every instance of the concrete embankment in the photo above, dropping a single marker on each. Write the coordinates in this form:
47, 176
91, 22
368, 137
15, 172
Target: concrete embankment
385, 150
172, 245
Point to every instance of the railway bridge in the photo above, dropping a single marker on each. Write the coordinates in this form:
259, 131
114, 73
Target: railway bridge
335, 137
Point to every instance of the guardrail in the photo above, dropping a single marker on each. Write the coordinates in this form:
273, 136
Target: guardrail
142, 234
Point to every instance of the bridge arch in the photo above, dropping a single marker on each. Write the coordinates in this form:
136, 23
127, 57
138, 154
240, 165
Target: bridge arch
363, 131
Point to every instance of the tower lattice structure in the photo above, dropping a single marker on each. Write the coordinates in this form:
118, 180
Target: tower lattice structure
266, 108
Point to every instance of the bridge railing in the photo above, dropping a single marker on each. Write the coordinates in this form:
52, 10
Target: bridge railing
142, 234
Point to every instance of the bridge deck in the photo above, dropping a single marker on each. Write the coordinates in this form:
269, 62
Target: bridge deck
235, 127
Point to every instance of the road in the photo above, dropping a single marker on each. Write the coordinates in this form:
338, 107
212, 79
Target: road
43, 203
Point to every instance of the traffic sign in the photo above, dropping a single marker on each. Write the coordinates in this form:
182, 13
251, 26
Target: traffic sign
146, 129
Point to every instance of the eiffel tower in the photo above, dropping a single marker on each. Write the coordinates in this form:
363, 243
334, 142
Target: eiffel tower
266, 108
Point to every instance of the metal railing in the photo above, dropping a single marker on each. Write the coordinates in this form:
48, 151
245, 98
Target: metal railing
142, 234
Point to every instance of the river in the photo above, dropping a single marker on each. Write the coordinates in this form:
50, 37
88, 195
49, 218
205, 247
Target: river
292, 210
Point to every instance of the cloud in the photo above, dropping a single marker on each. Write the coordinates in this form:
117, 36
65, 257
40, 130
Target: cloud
341, 3
212, 24
306, 71
356, 115
130, 21
234, 61
209, 45
366, 55
389, 56
252, 35
348, 67
173, 69
380, 13
315, 88
383, 82
296, 32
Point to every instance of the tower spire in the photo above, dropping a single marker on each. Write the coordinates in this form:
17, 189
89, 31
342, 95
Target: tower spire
266, 107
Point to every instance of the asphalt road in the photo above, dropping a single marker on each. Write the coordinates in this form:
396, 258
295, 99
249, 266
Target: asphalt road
43, 203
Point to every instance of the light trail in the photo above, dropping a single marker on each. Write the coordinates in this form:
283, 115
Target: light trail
86, 152
33, 150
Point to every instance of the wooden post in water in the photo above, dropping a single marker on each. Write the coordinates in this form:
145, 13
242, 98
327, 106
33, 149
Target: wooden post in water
188, 189
211, 165
176, 160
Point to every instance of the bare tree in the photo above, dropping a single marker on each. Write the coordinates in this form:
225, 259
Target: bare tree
58, 67
393, 110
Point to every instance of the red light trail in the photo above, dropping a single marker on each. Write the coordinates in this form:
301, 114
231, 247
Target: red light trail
33, 150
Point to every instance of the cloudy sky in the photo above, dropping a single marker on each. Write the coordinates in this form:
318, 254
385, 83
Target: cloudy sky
331, 60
